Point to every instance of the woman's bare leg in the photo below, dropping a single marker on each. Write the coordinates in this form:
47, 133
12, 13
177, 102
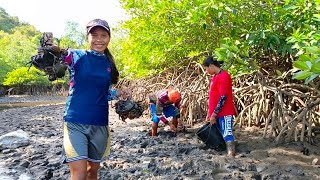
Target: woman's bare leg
92, 170
78, 170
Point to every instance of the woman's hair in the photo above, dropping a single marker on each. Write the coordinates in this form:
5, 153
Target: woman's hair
114, 70
209, 60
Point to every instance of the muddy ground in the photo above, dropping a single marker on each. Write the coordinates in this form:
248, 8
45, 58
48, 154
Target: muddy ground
135, 155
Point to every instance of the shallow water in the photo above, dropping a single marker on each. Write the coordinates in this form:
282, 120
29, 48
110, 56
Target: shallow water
27, 104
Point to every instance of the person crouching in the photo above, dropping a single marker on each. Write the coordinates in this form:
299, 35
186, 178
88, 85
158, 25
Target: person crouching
163, 104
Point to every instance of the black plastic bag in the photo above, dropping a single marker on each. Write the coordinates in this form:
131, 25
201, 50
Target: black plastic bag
211, 137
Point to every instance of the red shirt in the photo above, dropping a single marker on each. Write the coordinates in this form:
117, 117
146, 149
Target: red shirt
221, 84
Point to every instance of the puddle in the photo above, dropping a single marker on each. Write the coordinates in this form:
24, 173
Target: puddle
28, 104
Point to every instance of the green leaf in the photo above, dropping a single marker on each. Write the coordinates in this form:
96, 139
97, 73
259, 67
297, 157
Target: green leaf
233, 32
311, 77
316, 17
228, 9
204, 26
234, 49
300, 65
302, 75
313, 49
315, 67
304, 58
309, 64
278, 72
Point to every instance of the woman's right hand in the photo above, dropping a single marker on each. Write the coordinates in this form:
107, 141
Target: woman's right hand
124, 93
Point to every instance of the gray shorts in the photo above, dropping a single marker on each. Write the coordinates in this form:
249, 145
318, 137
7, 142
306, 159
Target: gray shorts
85, 142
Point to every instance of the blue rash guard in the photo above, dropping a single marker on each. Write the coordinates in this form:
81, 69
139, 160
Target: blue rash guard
89, 89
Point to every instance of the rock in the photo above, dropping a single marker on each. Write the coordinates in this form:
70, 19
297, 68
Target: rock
49, 134
295, 170
187, 165
117, 146
259, 154
251, 175
7, 151
261, 167
240, 156
231, 167
132, 170
144, 144
316, 161
47, 174
14, 140
12, 161
24, 177
25, 163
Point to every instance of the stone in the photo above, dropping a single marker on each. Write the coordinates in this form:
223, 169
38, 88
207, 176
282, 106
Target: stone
316, 161
14, 140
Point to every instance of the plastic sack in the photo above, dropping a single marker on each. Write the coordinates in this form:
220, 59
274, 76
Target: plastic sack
211, 137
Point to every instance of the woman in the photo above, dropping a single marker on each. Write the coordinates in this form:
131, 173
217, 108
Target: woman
220, 104
86, 133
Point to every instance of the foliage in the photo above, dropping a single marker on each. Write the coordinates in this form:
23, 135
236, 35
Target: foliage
7, 22
17, 48
17, 45
246, 34
3, 70
235, 56
162, 32
75, 35
21, 76
308, 56
306, 40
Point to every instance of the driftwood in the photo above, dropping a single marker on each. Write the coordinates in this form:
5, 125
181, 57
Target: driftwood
285, 109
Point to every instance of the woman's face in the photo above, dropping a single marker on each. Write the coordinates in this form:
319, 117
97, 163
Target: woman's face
98, 39
210, 69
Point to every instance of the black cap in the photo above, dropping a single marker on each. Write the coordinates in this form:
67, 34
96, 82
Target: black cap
96, 23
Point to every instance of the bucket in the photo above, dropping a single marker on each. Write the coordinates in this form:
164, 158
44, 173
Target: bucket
211, 137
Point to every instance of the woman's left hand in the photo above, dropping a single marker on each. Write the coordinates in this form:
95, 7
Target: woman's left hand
213, 119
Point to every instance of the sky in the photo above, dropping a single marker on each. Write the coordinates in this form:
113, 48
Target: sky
52, 15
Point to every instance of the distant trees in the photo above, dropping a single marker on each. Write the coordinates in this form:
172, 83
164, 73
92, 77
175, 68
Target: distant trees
19, 42
7, 22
